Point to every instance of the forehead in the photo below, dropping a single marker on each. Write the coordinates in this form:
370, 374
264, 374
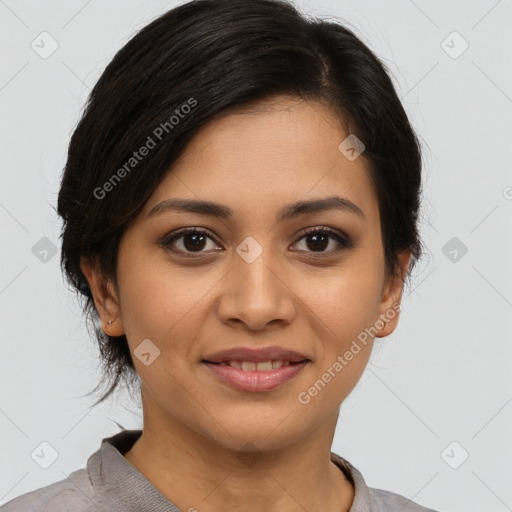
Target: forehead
274, 153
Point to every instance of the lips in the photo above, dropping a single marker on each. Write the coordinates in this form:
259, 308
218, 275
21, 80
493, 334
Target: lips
253, 355
254, 380
256, 370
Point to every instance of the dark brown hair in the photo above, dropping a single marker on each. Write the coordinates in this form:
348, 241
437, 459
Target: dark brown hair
216, 56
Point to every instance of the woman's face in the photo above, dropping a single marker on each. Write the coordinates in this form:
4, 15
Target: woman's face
252, 279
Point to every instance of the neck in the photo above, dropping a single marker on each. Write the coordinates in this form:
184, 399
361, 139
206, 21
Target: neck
197, 473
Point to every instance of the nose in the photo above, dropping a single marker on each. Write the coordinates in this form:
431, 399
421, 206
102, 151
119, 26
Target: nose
257, 294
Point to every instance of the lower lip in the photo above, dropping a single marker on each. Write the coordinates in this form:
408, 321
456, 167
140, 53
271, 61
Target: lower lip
256, 380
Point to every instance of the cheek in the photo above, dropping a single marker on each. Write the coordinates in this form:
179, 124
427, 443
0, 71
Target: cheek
346, 299
346, 311
344, 306
155, 296
168, 306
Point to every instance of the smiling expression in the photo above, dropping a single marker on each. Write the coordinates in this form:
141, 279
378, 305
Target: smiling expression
285, 251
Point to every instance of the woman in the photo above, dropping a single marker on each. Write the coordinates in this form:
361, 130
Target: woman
240, 207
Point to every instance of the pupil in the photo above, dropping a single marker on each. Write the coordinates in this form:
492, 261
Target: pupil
316, 237
196, 244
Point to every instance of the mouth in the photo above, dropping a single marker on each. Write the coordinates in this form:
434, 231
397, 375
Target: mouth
256, 355
256, 376
257, 366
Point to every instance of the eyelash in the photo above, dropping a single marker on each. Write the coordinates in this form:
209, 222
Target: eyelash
343, 241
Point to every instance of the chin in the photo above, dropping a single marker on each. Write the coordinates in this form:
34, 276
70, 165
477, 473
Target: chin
250, 436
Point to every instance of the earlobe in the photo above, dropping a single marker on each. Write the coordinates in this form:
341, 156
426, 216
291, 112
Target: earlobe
105, 298
390, 308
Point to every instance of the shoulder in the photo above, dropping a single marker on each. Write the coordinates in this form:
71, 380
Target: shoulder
386, 501
376, 500
74, 493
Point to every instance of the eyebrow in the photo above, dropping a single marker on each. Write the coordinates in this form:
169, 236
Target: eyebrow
290, 211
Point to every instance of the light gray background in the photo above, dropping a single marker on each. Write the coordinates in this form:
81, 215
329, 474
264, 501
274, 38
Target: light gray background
443, 376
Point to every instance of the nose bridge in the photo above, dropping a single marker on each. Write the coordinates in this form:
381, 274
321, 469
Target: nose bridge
257, 280
256, 294
256, 273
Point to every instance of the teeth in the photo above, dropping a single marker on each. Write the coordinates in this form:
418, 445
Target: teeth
251, 366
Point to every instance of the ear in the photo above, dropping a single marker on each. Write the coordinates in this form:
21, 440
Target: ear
105, 297
389, 309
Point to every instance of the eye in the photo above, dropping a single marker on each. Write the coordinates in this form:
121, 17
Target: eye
190, 240
320, 237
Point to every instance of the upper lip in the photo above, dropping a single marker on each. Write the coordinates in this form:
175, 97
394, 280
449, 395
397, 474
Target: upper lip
256, 355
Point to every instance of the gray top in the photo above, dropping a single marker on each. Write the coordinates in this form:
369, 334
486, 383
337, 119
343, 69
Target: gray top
111, 483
